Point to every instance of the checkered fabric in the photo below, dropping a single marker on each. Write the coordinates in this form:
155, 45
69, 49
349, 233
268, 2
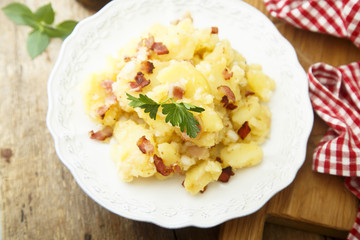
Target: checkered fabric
340, 18
334, 91
335, 97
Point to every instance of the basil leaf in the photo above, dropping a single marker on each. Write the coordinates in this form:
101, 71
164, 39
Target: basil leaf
66, 28
45, 13
37, 42
20, 14
62, 30
53, 32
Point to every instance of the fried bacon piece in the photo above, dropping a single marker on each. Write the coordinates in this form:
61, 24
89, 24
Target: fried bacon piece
227, 75
140, 82
102, 134
227, 104
101, 111
148, 42
229, 96
161, 167
145, 146
147, 66
176, 92
244, 130
107, 85
225, 174
127, 59
159, 48
214, 30
109, 100
249, 93
177, 168
227, 91
202, 191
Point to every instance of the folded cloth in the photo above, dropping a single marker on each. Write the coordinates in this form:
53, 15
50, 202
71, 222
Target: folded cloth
335, 97
340, 18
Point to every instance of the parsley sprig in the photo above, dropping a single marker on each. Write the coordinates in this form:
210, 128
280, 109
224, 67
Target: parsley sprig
178, 114
41, 22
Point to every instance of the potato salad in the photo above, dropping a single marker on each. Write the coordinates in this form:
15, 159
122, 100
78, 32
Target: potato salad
177, 100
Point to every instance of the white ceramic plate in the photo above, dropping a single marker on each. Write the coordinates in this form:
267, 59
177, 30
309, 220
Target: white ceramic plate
166, 203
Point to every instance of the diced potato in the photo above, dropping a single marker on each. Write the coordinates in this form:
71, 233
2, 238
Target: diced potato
169, 152
185, 73
130, 161
200, 175
245, 112
240, 155
112, 115
261, 84
211, 121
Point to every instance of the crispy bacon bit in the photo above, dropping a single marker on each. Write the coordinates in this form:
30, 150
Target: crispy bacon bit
225, 100
145, 146
107, 85
177, 168
161, 167
102, 134
140, 82
218, 159
227, 91
249, 93
101, 111
227, 105
202, 191
225, 174
127, 59
231, 106
176, 92
147, 66
227, 75
214, 30
183, 183
159, 48
244, 130
148, 42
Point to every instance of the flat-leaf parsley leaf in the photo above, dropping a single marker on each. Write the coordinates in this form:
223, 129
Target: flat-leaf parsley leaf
178, 114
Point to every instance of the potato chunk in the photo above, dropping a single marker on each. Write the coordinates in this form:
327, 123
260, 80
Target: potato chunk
239, 155
130, 161
200, 175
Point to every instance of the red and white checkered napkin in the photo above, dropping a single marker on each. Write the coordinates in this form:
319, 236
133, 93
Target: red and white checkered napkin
340, 18
335, 96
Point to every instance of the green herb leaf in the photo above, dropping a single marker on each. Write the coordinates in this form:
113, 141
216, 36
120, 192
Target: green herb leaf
20, 14
178, 114
65, 28
45, 14
52, 32
144, 102
36, 43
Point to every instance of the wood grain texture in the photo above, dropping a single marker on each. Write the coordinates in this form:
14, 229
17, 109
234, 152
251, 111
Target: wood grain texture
40, 199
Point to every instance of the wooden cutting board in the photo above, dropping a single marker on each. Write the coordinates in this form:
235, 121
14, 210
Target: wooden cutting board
40, 199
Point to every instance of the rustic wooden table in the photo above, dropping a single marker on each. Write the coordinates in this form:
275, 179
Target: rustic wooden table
41, 200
